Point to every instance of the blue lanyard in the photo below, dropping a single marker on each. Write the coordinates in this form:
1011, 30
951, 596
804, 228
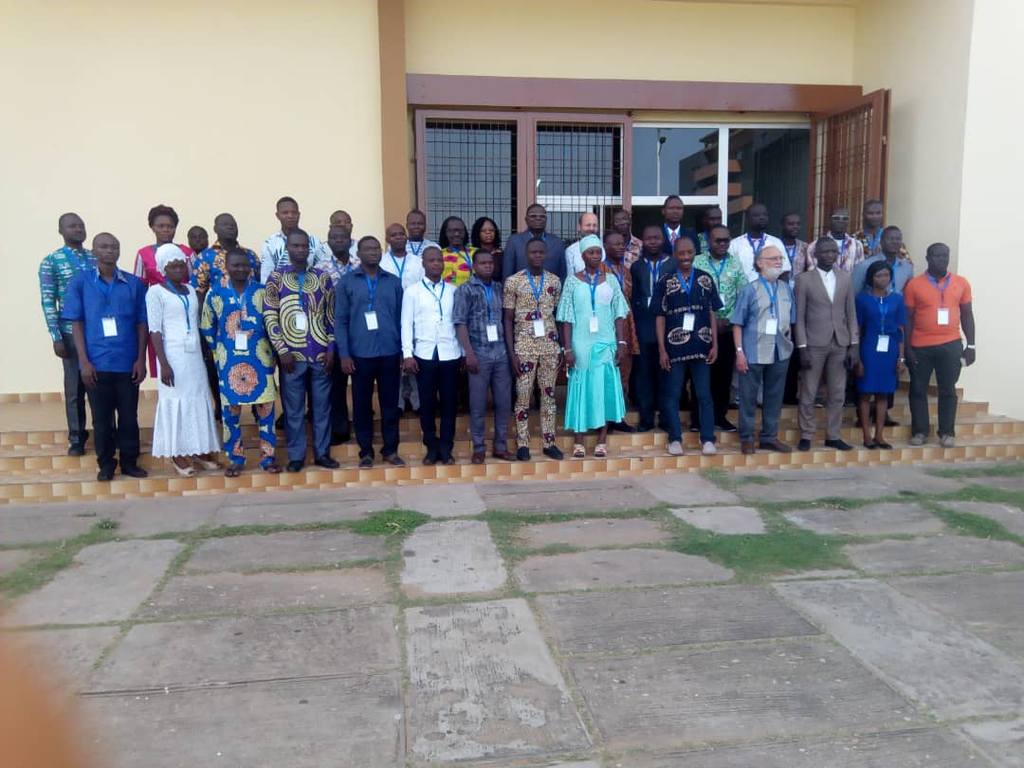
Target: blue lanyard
371, 288
686, 285
489, 296
773, 297
882, 309
654, 269
942, 288
791, 253
718, 270
620, 276
873, 241
438, 299
415, 251
399, 267
843, 247
184, 302
467, 257
105, 288
760, 244
301, 278
537, 291
593, 290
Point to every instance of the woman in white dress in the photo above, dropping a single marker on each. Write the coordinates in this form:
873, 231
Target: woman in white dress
184, 429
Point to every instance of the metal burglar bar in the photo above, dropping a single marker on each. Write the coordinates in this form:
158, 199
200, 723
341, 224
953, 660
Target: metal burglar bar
579, 168
471, 172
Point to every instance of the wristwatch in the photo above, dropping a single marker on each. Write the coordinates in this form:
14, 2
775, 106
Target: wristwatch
970, 346
738, 350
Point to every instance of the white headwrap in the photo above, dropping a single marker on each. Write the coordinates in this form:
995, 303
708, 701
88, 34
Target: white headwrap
167, 253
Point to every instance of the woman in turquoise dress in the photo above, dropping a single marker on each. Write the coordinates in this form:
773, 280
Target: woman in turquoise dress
593, 311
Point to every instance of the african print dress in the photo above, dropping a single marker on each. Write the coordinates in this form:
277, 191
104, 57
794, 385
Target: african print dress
245, 368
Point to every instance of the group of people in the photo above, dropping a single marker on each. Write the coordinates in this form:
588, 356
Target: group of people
672, 317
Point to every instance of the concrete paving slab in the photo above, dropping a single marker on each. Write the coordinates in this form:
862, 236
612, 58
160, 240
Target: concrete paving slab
151, 517
484, 685
746, 692
96, 587
934, 555
319, 507
730, 521
234, 593
1009, 516
350, 722
235, 650
291, 549
450, 558
615, 568
809, 484
39, 525
545, 764
869, 520
827, 573
1002, 741
594, 532
650, 618
453, 500
920, 652
13, 559
909, 748
684, 488
64, 658
554, 497
990, 605
1011, 483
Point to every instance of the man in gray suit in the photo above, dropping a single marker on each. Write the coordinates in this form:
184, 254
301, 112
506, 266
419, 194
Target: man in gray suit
514, 258
827, 336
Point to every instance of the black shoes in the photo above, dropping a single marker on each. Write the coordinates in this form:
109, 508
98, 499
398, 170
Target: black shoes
134, 470
105, 475
725, 426
804, 445
294, 466
366, 462
621, 426
448, 460
554, 452
326, 462
76, 449
523, 454
395, 460
839, 445
430, 459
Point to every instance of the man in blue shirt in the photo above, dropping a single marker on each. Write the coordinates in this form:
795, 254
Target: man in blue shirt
107, 311
368, 335
892, 251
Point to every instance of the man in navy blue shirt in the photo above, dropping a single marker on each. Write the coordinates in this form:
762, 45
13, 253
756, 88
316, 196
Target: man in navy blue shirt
672, 211
107, 310
645, 273
368, 335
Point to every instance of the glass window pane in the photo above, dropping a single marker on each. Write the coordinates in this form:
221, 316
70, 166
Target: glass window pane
579, 160
770, 166
680, 161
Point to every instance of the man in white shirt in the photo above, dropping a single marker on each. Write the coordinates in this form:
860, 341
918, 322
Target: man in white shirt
275, 252
588, 224
431, 352
416, 228
407, 266
747, 246
341, 218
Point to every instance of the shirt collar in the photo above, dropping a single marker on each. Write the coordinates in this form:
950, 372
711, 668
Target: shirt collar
118, 274
474, 280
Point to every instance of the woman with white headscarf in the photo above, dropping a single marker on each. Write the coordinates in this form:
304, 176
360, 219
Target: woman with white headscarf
184, 429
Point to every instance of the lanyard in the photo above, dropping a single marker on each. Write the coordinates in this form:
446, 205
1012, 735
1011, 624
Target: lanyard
718, 270
415, 251
620, 276
942, 288
843, 247
399, 267
760, 244
438, 299
489, 296
468, 259
537, 291
593, 290
882, 309
371, 288
184, 302
653, 269
791, 253
773, 297
301, 278
873, 241
105, 288
686, 285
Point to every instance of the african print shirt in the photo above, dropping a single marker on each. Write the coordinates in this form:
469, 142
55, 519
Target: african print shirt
458, 265
851, 253
729, 279
211, 267
625, 278
55, 274
336, 270
519, 296
673, 303
246, 375
287, 300
633, 249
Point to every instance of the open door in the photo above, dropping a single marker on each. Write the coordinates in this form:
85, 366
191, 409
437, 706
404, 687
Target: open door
848, 159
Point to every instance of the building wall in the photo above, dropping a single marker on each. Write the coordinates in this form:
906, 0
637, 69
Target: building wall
639, 39
111, 108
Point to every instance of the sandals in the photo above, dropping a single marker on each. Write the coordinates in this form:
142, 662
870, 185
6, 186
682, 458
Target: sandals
233, 470
579, 452
600, 451
188, 471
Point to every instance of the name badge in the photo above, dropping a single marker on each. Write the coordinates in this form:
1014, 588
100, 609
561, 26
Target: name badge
538, 329
191, 342
883, 344
689, 321
492, 332
943, 318
593, 323
109, 326
371, 320
301, 322
771, 326
241, 341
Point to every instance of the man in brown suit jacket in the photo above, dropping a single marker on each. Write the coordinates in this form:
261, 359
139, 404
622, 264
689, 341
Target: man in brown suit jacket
827, 338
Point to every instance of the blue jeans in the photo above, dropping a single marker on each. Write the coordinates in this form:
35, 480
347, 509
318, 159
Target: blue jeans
700, 373
773, 377
294, 397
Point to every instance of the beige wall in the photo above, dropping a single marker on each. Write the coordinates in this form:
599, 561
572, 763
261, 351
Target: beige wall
990, 203
637, 39
110, 108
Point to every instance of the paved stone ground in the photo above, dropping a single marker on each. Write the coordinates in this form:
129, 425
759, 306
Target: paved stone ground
837, 620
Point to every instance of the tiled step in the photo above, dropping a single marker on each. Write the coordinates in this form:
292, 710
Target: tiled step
82, 486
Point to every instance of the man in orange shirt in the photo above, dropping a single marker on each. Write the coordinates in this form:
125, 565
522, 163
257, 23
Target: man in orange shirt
938, 306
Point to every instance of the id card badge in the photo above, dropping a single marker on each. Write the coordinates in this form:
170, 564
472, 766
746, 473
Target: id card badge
109, 326
241, 341
301, 322
689, 321
593, 323
492, 332
771, 326
538, 329
943, 318
883, 344
371, 320
191, 342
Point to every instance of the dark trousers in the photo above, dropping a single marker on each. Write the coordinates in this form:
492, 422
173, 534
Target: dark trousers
791, 394
944, 360
648, 380
386, 373
438, 380
74, 394
307, 377
495, 375
339, 402
721, 380
115, 419
700, 373
772, 377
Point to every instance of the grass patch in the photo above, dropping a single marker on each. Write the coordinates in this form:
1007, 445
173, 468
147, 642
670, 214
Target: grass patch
390, 522
1014, 469
969, 524
53, 559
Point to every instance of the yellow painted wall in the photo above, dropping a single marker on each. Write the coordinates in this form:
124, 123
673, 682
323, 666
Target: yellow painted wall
110, 108
990, 203
636, 39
